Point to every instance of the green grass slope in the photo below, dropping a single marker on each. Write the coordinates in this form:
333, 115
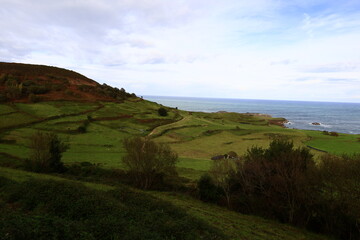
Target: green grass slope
183, 217
196, 137
46, 207
95, 131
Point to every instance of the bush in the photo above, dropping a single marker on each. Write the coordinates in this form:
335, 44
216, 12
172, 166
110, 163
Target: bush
46, 153
162, 112
28, 83
3, 79
148, 161
33, 98
3, 98
37, 89
83, 127
284, 183
334, 134
276, 182
208, 191
339, 207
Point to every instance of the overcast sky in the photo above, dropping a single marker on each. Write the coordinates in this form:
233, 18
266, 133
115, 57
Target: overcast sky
259, 49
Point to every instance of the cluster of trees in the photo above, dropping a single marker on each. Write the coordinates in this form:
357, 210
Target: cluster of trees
15, 89
149, 162
285, 183
106, 90
46, 153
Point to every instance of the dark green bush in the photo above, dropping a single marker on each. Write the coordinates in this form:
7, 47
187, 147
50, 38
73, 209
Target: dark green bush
162, 112
28, 83
208, 191
3, 98
46, 153
33, 98
37, 89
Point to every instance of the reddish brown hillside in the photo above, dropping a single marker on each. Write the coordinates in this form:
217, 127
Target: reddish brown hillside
31, 83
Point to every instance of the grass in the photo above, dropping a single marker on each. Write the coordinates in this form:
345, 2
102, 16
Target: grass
232, 224
49, 109
196, 137
22, 176
15, 119
235, 225
6, 109
193, 168
344, 143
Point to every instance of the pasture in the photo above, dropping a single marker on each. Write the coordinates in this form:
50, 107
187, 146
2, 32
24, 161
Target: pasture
195, 136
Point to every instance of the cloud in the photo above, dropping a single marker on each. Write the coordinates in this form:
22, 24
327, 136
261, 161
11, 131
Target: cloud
286, 49
332, 67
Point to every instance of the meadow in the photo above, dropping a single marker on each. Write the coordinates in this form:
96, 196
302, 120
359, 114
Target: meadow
195, 136
95, 133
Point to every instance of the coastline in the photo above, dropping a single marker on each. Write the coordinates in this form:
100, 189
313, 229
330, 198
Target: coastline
333, 117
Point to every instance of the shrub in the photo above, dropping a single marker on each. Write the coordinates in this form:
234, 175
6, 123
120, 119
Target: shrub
37, 89
208, 191
3, 79
81, 129
334, 134
223, 172
148, 161
3, 98
162, 112
338, 209
275, 182
33, 98
46, 153
28, 83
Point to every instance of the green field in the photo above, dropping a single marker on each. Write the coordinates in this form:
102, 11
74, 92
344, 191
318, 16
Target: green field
196, 137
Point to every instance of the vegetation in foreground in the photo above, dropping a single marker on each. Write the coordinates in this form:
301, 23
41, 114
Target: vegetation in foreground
48, 209
285, 183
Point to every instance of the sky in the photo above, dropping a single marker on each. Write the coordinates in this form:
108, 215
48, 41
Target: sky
260, 49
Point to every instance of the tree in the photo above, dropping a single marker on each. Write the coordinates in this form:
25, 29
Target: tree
162, 112
208, 191
278, 181
222, 172
148, 160
46, 153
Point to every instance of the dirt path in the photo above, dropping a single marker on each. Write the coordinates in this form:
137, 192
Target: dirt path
156, 129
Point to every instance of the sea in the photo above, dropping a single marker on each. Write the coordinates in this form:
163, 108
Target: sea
332, 116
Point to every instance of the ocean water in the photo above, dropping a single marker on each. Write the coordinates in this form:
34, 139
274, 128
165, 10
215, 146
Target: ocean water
338, 117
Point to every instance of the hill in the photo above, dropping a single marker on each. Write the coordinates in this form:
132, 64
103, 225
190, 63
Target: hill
94, 119
32, 83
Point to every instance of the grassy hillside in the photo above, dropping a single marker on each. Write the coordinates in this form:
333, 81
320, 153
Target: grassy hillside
196, 137
95, 120
210, 221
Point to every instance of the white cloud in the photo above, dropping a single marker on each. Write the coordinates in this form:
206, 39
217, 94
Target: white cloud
246, 49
